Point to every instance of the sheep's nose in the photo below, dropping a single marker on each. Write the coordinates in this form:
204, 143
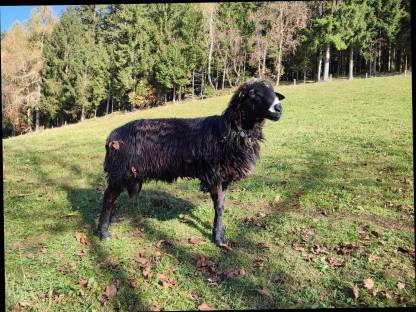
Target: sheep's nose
278, 108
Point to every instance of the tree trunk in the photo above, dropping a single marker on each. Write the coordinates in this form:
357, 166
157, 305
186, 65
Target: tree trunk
202, 84
369, 64
95, 113
279, 61
211, 46
29, 119
326, 65
318, 75
304, 76
180, 93
263, 73
379, 58
223, 75
389, 59
37, 111
174, 94
193, 83
108, 104
351, 67
82, 113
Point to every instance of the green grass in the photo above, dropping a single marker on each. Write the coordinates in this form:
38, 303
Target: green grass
339, 162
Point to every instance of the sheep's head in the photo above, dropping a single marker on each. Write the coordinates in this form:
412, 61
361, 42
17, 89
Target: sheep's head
258, 98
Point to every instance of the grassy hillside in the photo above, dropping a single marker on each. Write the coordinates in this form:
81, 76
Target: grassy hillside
325, 220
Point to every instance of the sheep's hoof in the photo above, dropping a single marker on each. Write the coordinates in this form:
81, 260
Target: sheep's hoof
105, 235
113, 220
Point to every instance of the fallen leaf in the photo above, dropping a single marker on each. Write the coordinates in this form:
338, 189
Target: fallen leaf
183, 217
335, 261
408, 250
145, 273
355, 291
234, 273
375, 292
263, 245
261, 214
80, 253
368, 283
373, 258
264, 292
158, 254
194, 240
133, 284
140, 259
110, 290
166, 282
138, 232
401, 285
375, 233
346, 248
307, 234
205, 307
81, 238
21, 306
226, 247
316, 249
83, 283
259, 261
249, 220
387, 295
297, 247
110, 262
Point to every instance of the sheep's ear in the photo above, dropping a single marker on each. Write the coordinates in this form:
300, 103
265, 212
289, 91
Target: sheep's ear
279, 96
251, 93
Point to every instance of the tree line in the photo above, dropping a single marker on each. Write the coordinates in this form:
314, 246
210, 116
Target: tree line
96, 59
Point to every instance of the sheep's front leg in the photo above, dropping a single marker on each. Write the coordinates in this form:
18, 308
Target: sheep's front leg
110, 196
218, 196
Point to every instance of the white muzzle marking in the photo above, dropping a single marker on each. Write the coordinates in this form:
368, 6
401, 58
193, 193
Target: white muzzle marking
271, 108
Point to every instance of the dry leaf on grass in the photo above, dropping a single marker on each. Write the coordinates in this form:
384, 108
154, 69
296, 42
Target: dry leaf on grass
336, 262
81, 238
401, 285
372, 258
264, 292
140, 259
346, 248
194, 240
368, 283
297, 247
234, 273
375, 233
355, 291
83, 283
80, 253
407, 250
166, 282
263, 245
183, 218
138, 232
110, 290
110, 262
205, 307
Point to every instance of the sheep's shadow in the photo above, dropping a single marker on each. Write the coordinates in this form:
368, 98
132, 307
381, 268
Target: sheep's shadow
150, 203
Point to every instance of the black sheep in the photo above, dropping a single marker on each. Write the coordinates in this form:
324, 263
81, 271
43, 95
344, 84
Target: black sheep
216, 149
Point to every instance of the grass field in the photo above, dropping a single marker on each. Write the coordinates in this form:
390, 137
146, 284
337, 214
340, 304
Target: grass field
325, 220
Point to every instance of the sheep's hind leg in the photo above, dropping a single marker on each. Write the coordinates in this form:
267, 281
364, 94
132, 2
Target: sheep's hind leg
133, 191
218, 196
110, 195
